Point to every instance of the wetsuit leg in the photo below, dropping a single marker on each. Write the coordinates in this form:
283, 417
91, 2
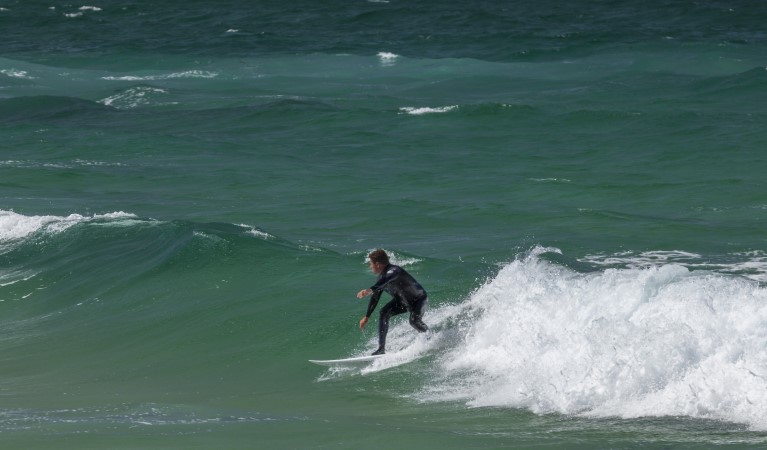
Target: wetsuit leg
393, 308
416, 313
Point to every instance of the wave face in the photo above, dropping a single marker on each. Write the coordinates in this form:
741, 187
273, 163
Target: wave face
115, 297
103, 295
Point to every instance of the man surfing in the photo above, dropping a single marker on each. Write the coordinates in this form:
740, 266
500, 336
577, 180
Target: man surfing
407, 296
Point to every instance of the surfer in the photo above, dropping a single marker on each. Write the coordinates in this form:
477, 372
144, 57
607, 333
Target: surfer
407, 296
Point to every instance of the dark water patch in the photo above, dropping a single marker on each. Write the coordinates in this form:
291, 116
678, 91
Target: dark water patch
50, 109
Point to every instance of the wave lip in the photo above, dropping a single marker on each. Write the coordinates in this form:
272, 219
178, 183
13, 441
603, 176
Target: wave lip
660, 341
14, 226
168, 76
751, 264
133, 97
387, 58
419, 111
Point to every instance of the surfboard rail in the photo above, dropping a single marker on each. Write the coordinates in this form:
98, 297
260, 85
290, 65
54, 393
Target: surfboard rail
343, 362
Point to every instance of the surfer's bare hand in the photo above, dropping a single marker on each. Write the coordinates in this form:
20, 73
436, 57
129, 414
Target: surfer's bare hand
364, 293
363, 322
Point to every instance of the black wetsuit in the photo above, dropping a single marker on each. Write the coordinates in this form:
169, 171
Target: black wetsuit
407, 296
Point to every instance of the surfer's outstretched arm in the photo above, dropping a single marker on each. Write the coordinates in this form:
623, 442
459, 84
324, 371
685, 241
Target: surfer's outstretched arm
362, 294
371, 305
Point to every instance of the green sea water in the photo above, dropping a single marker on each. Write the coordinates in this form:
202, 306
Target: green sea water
188, 192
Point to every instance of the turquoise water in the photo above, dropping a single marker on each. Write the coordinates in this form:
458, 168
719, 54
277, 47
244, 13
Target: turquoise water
188, 192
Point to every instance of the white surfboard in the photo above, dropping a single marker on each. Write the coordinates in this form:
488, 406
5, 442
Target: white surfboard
346, 362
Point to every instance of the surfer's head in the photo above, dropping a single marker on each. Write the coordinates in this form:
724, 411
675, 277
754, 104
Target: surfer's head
378, 260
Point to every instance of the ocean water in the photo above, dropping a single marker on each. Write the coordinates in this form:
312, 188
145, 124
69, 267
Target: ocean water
188, 191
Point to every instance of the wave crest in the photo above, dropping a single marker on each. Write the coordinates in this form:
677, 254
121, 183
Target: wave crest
661, 341
15, 226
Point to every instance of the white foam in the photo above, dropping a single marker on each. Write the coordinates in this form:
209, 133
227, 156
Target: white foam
751, 265
406, 348
133, 97
90, 8
9, 278
395, 258
418, 346
85, 162
551, 180
426, 110
13, 73
74, 163
165, 76
14, 227
253, 231
658, 341
642, 259
387, 58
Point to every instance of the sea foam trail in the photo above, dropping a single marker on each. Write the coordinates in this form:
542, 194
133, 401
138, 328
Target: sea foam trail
662, 341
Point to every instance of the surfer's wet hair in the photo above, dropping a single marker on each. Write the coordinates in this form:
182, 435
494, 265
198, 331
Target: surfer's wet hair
379, 257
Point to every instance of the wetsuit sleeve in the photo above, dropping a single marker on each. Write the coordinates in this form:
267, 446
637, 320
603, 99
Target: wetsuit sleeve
378, 287
373, 303
389, 274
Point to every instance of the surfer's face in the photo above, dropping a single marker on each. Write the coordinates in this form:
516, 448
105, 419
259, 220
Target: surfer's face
376, 267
